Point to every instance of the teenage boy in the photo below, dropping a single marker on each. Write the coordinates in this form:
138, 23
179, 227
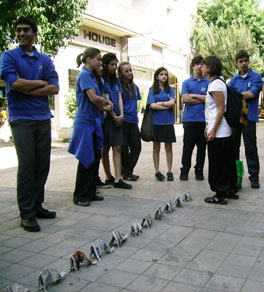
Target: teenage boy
193, 95
249, 83
30, 78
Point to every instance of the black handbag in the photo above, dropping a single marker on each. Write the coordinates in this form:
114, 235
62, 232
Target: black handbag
146, 131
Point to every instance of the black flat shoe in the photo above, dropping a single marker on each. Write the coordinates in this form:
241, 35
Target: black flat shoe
83, 203
30, 225
97, 198
45, 214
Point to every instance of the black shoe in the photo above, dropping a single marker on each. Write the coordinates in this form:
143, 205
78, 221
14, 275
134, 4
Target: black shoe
110, 181
122, 185
170, 176
199, 174
130, 177
255, 184
45, 214
159, 176
83, 203
97, 198
101, 185
184, 174
30, 225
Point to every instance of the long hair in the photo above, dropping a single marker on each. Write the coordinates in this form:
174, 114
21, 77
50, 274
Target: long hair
107, 58
155, 86
88, 52
126, 84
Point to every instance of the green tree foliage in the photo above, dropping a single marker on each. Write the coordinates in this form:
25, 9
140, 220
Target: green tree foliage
58, 21
71, 105
225, 42
235, 21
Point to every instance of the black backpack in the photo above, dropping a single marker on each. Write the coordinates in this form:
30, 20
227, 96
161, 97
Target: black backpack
236, 107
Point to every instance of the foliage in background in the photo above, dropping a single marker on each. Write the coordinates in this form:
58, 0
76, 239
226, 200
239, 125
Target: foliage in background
71, 105
236, 21
58, 21
141, 104
225, 42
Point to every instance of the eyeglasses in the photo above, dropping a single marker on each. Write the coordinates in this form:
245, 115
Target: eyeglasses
25, 29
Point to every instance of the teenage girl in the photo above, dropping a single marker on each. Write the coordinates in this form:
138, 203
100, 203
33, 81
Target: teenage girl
132, 141
113, 123
161, 100
87, 138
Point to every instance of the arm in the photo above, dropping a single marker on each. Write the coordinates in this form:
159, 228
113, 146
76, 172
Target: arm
119, 119
43, 91
193, 98
24, 85
97, 100
219, 100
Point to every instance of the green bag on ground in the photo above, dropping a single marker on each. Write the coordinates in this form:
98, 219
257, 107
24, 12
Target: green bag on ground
240, 173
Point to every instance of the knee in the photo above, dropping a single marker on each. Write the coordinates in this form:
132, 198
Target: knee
117, 149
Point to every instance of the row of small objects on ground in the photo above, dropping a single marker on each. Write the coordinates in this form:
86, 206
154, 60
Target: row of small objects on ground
50, 276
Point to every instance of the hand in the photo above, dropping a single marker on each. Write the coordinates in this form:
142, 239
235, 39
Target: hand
211, 136
45, 83
118, 120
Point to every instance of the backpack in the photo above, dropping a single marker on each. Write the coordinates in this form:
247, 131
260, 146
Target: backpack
236, 113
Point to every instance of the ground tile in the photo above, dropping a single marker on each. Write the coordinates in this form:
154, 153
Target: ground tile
16, 256
181, 287
90, 273
232, 270
16, 242
207, 260
148, 255
15, 271
110, 261
117, 278
256, 275
253, 286
225, 283
241, 260
68, 284
247, 249
147, 284
38, 261
209, 234
177, 256
194, 277
133, 266
97, 287
166, 272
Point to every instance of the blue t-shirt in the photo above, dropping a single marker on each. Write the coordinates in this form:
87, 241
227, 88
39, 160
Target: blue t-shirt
113, 92
253, 83
86, 80
130, 106
162, 117
39, 66
194, 112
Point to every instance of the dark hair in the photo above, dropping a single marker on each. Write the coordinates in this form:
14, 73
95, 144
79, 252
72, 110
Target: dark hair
197, 60
155, 86
242, 54
27, 20
215, 65
126, 84
107, 58
88, 52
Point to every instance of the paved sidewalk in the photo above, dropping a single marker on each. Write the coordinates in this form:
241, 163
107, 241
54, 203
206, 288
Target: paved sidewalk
196, 248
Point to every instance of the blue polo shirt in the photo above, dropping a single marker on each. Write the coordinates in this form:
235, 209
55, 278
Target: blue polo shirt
113, 91
88, 121
130, 106
162, 117
86, 80
194, 112
39, 66
253, 83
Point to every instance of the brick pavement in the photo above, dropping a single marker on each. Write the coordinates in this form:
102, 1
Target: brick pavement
196, 248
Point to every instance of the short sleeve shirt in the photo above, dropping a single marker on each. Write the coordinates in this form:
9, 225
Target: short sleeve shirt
130, 106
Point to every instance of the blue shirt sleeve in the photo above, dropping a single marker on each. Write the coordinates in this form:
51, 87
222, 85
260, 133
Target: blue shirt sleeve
231, 83
257, 85
8, 68
172, 93
151, 97
86, 81
51, 76
185, 87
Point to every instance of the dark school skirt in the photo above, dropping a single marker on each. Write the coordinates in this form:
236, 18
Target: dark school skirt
164, 133
113, 135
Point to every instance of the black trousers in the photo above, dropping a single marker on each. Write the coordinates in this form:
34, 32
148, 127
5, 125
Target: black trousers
32, 140
131, 148
86, 179
222, 174
193, 135
251, 150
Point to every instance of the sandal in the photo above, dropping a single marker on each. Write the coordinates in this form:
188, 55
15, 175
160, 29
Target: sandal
232, 195
215, 200
159, 176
